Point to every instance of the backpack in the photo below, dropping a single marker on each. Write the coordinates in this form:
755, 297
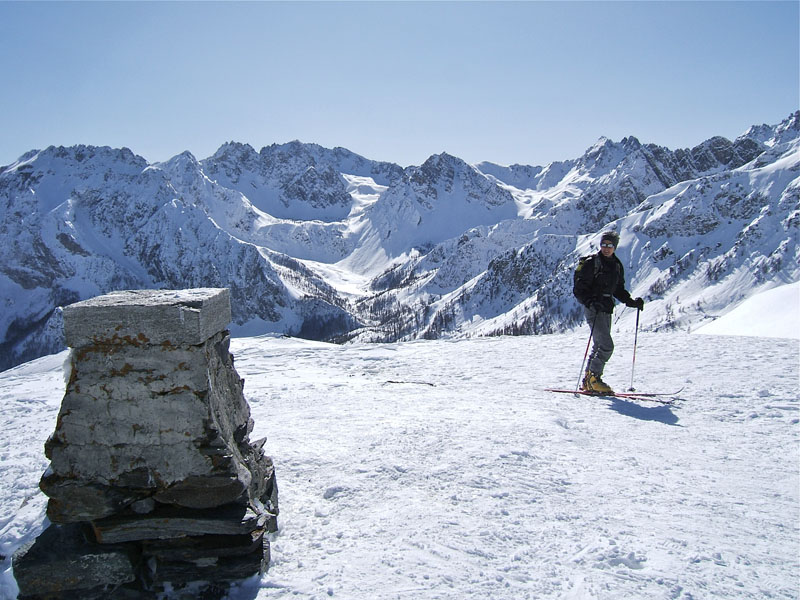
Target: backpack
581, 262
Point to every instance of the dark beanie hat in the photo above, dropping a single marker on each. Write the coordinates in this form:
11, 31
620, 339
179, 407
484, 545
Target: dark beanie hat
611, 236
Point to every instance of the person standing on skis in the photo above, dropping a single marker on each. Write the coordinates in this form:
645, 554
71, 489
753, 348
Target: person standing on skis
599, 279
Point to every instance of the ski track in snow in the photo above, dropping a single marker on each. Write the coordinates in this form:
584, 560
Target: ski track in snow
440, 469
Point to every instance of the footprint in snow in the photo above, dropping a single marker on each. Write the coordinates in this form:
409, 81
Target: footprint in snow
333, 491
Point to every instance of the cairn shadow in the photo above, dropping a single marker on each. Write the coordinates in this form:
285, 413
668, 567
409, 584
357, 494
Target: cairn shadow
661, 414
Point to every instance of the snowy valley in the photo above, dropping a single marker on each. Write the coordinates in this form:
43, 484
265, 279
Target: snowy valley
328, 245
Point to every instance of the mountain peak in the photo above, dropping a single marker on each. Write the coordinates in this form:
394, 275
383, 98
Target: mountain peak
788, 128
771, 135
233, 149
293, 148
437, 168
444, 157
604, 154
184, 159
631, 143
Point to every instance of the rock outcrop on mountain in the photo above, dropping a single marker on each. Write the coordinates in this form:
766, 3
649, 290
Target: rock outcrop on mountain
294, 181
327, 244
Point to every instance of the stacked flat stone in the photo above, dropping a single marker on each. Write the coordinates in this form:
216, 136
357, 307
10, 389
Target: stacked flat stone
153, 484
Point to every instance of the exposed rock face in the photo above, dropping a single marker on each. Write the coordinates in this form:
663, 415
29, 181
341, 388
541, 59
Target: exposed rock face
151, 461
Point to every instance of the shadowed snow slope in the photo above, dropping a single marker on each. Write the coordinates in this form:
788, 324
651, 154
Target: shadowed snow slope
774, 313
440, 469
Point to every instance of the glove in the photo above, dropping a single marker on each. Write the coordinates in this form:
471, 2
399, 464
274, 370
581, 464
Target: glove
637, 303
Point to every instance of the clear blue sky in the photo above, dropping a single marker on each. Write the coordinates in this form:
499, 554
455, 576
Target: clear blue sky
520, 82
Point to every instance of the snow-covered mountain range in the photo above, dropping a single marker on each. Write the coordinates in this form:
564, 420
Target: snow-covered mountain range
326, 244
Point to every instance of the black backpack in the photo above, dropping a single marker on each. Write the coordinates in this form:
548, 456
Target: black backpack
581, 262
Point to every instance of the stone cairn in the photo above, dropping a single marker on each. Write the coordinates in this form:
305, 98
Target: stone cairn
155, 490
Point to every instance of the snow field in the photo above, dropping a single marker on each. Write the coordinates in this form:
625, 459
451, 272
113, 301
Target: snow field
30, 396
464, 480
440, 469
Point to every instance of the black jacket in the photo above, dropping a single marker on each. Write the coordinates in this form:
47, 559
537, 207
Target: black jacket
598, 280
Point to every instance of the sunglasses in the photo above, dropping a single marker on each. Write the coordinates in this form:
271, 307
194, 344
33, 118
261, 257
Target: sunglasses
607, 245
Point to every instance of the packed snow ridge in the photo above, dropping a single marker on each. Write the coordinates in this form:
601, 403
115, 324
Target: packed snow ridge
328, 245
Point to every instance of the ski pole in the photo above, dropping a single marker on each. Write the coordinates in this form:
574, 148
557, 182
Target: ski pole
585, 354
635, 342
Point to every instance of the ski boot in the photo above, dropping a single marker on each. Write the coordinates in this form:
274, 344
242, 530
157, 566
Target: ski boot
594, 385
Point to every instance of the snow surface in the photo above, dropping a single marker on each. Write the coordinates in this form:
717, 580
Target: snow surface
441, 469
774, 313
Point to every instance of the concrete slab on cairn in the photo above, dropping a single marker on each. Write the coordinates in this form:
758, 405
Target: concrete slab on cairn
151, 461
148, 317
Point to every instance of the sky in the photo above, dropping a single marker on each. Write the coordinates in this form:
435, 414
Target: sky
511, 83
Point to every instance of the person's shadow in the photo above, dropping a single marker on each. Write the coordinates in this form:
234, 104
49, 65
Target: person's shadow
662, 414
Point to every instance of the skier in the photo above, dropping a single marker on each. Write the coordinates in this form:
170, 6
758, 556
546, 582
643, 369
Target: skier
599, 279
